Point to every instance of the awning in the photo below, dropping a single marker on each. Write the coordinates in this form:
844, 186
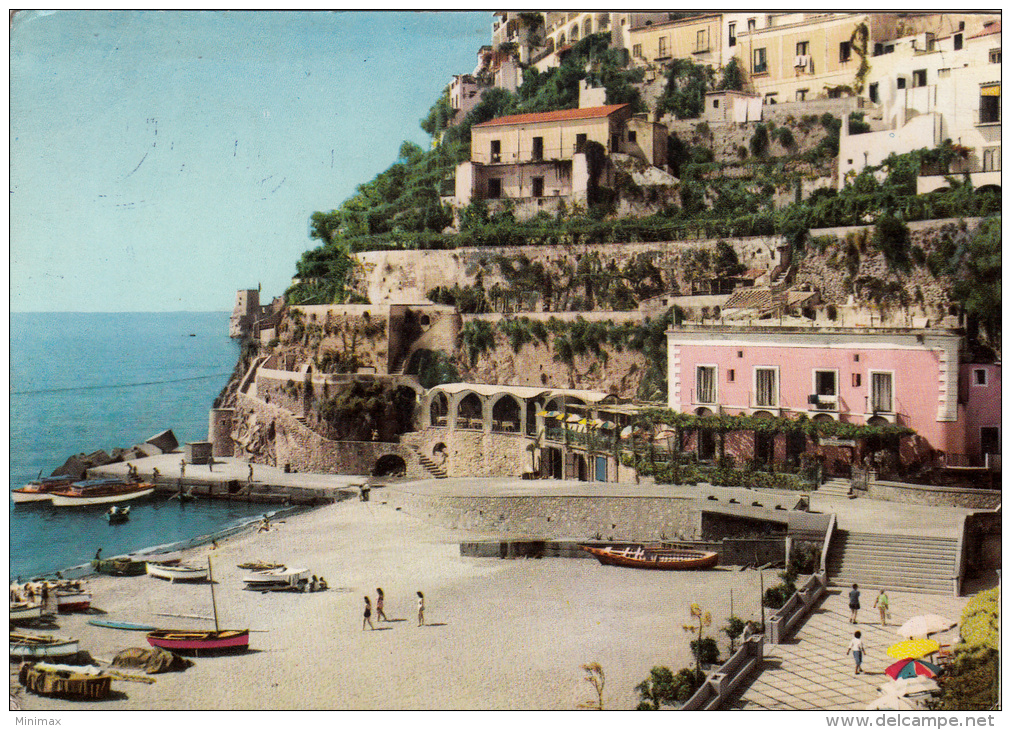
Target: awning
990, 90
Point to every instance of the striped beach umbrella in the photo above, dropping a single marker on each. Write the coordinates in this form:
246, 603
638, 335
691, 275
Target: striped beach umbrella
908, 668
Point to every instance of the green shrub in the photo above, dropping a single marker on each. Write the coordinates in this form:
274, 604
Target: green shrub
707, 652
785, 137
759, 143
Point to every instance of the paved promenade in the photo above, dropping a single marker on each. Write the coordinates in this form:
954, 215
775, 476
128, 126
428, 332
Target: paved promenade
812, 670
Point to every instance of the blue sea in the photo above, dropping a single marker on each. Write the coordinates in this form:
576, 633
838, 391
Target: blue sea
80, 382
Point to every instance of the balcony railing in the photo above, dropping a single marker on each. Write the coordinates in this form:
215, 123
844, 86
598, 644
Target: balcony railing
550, 154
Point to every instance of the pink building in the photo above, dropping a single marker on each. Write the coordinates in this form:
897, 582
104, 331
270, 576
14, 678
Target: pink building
904, 376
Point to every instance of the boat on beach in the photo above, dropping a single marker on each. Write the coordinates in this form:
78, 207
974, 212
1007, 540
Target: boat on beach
68, 601
100, 491
40, 490
22, 612
33, 646
278, 579
119, 566
120, 625
653, 558
63, 680
172, 573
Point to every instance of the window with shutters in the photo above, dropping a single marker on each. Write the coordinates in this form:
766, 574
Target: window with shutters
705, 384
881, 393
766, 387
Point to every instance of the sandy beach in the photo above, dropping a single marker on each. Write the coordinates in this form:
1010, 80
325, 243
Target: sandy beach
502, 634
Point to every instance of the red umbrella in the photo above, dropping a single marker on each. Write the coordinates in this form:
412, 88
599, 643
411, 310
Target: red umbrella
912, 668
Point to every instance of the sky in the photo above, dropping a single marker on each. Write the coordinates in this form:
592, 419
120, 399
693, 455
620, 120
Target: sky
163, 160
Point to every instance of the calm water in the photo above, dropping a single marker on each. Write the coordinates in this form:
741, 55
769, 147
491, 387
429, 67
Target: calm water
83, 382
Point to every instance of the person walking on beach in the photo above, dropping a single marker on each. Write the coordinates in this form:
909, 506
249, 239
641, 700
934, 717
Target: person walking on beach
421, 608
857, 647
368, 615
182, 468
881, 603
854, 603
380, 614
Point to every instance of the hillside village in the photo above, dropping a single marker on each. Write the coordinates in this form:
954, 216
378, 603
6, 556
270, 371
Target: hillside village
786, 183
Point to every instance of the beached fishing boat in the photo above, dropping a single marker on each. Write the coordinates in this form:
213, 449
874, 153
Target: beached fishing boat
32, 646
63, 680
173, 573
190, 641
40, 490
119, 566
120, 625
21, 612
653, 558
117, 515
68, 601
100, 491
276, 579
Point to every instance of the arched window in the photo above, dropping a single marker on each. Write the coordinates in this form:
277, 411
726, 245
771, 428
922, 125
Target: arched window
505, 415
574, 33
551, 45
587, 27
470, 414
561, 40
439, 409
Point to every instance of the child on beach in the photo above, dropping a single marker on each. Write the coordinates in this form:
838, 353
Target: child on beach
857, 647
421, 608
380, 614
368, 615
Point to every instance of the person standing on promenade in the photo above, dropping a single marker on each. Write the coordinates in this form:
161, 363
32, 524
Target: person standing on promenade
155, 474
182, 468
380, 614
249, 479
857, 647
421, 608
854, 603
881, 603
368, 615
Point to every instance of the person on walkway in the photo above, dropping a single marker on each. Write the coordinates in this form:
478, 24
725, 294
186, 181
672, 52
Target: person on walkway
210, 464
182, 468
155, 474
249, 479
857, 647
421, 608
854, 603
380, 614
881, 603
368, 615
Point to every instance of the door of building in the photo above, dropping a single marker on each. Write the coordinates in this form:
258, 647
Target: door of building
601, 473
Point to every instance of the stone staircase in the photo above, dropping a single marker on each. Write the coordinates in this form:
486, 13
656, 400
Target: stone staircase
897, 562
431, 467
835, 488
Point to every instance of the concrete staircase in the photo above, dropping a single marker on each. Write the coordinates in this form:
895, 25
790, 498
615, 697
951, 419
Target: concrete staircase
431, 467
835, 488
897, 562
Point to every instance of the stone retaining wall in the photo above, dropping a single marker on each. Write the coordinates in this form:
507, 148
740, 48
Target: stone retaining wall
933, 496
608, 518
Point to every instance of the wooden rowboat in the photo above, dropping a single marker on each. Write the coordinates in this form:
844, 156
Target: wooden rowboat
31, 646
198, 642
100, 491
40, 490
62, 680
120, 625
70, 601
173, 573
273, 579
119, 566
641, 556
25, 612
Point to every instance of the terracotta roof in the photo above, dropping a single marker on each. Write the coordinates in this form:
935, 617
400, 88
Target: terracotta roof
563, 115
992, 30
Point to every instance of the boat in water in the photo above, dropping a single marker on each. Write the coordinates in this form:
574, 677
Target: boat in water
34, 646
117, 515
653, 558
64, 680
172, 573
100, 491
41, 489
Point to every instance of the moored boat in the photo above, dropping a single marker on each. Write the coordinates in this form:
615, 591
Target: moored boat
100, 491
653, 558
183, 641
25, 612
62, 680
40, 490
33, 646
117, 515
173, 573
68, 601
119, 566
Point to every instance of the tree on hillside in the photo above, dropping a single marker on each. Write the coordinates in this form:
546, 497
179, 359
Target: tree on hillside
978, 282
684, 95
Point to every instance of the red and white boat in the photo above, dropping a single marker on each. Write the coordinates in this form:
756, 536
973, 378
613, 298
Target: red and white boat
40, 490
183, 641
100, 491
68, 601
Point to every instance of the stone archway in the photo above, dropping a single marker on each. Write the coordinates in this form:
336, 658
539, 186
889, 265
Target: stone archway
390, 465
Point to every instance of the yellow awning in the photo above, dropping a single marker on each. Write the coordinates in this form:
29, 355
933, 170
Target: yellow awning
990, 90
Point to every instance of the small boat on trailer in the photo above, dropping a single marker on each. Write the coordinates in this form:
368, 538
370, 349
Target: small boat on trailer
32, 646
68, 601
100, 491
119, 566
23, 612
41, 489
196, 642
653, 558
172, 573
63, 680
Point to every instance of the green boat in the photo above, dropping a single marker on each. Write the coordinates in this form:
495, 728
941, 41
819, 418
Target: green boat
120, 566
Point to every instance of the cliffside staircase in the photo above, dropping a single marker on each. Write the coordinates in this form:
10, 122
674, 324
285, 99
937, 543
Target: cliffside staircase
835, 488
898, 562
431, 467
